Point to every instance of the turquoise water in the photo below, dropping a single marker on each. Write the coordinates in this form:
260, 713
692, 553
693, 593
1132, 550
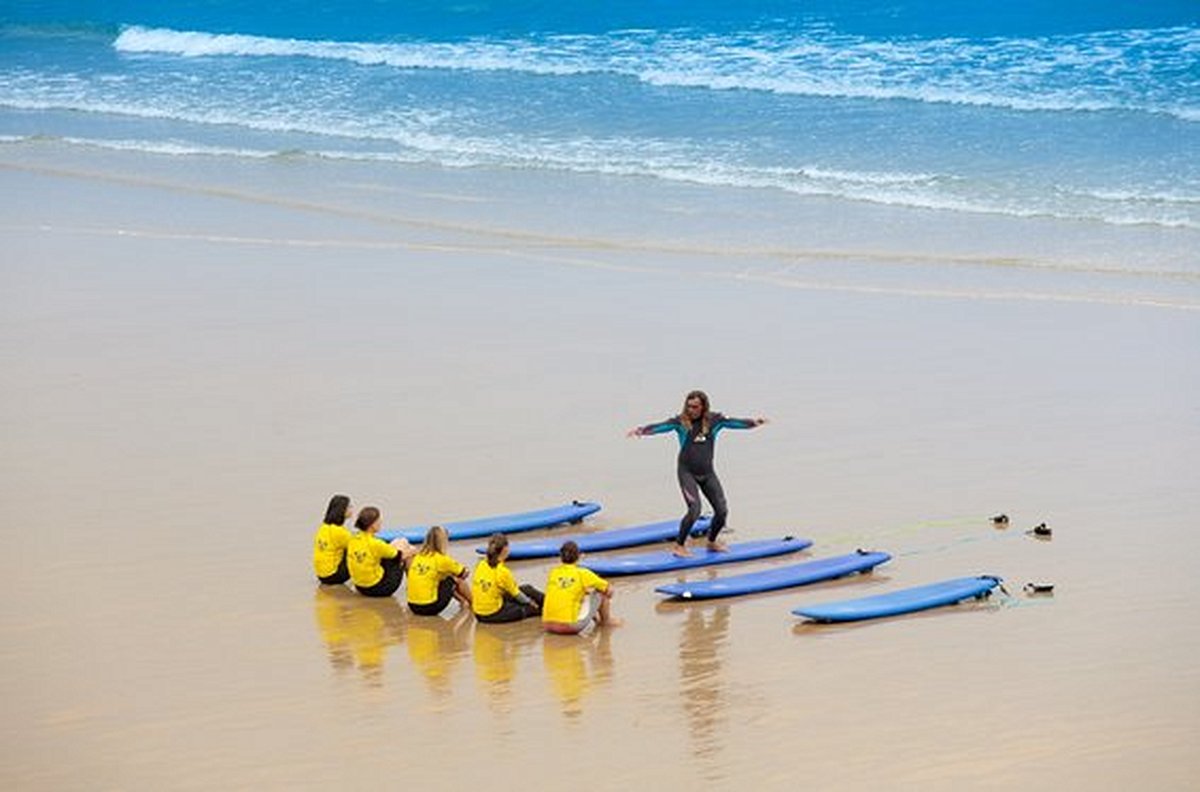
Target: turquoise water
1068, 110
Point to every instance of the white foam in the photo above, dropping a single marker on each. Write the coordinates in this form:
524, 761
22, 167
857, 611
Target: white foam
642, 159
1141, 196
476, 56
1121, 70
169, 148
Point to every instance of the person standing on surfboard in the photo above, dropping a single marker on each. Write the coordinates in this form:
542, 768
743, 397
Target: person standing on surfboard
697, 428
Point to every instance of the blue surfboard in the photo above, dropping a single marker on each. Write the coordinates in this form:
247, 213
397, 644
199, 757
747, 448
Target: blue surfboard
663, 561
909, 600
506, 523
777, 578
602, 540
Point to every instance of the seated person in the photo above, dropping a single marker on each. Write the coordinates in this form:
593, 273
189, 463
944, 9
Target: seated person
329, 545
495, 596
567, 587
434, 578
376, 566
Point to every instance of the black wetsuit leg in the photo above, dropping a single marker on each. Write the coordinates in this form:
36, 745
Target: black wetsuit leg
690, 488
445, 594
393, 573
512, 610
534, 593
339, 576
710, 485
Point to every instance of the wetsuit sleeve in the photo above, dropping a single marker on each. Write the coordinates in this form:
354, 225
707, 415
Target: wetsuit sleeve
735, 423
669, 425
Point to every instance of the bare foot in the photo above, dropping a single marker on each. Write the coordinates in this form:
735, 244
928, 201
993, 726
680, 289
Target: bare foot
718, 547
679, 551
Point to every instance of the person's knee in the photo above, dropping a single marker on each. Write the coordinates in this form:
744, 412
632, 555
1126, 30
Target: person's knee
693, 510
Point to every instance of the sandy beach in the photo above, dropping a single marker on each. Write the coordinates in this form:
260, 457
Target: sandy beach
197, 352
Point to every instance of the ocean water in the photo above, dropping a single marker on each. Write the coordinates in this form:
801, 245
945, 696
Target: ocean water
1080, 111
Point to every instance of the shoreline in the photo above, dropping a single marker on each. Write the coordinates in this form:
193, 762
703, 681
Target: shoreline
788, 241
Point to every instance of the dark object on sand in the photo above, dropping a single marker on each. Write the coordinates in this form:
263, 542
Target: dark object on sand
1000, 520
1041, 530
1039, 588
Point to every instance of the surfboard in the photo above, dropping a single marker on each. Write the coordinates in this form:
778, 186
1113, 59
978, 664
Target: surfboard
572, 512
663, 561
908, 600
777, 578
602, 540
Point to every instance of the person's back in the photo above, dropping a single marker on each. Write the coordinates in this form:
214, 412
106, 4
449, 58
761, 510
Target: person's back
425, 571
329, 552
567, 586
364, 553
376, 567
434, 578
330, 542
489, 584
495, 596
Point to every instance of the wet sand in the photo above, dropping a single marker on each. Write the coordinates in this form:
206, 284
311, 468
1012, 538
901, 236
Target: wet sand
197, 353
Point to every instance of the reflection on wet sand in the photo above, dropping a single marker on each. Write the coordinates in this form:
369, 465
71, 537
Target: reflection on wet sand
496, 648
576, 664
702, 639
357, 630
435, 643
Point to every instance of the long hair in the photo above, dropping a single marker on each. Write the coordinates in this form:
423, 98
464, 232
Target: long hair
496, 545
704, 416
367, 516
436, 541
335, 512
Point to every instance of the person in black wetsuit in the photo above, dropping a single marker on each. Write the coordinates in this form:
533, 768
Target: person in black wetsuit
697, 427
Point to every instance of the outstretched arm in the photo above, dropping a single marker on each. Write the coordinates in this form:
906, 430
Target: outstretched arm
742, 423
669, 425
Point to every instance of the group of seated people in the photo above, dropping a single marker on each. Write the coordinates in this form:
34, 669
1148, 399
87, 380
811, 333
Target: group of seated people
574, 596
